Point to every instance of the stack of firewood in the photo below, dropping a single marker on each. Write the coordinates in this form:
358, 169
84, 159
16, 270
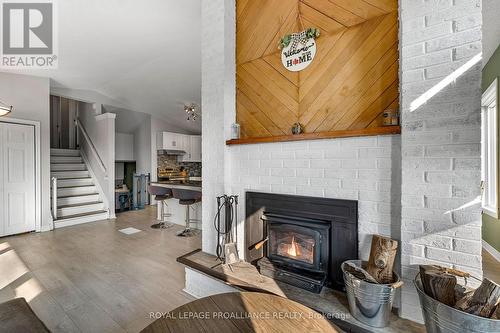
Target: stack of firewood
440, 283
379, 269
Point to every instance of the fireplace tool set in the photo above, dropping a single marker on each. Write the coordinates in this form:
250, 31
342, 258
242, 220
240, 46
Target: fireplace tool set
227, 234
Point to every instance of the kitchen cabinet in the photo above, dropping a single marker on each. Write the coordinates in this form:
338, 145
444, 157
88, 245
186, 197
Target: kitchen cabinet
193, 151
171, 141
191, 144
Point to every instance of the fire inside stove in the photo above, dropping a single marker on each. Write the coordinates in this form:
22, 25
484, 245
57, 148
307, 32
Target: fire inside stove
294, 246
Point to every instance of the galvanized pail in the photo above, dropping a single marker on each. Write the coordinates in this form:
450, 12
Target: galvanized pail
441, 318
370, 303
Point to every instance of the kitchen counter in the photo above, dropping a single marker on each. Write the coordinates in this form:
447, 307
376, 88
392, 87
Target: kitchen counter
178, 211
179, 184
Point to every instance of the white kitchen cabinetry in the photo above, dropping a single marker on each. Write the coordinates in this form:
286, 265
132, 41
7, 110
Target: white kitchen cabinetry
184, 142
171, 141
194, 153
191, 144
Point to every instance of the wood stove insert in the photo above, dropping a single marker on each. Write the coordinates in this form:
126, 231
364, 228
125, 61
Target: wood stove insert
305, 238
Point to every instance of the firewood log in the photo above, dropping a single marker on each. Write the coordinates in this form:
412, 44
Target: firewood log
381, 261
460, 292
461, 304
438, 284
359, 272
484, 300
496, 313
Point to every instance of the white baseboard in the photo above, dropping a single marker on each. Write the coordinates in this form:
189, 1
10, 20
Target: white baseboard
491, 250
46, 227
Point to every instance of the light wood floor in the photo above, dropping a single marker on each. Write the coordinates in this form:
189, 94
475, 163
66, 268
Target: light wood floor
491, 267
92, 278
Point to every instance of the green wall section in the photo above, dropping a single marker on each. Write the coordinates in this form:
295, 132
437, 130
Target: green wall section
491, 70
491, 226
491, 231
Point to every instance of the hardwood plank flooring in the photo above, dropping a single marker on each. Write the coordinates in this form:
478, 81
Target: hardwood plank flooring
92, 278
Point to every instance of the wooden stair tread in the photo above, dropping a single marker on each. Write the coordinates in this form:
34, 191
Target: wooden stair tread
76, 186
77, 195
81, 204
97, 212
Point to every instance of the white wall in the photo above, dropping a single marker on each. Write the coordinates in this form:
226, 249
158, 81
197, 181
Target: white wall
142, 147
124, 147
218, 100
30, 97
101, 130
362, 169
441, 221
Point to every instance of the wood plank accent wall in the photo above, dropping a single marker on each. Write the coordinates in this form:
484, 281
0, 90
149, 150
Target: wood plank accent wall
352, 80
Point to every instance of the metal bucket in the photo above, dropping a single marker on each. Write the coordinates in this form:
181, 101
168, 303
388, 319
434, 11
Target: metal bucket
370, 303
441, 318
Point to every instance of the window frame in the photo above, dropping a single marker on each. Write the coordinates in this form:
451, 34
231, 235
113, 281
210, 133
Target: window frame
489, 150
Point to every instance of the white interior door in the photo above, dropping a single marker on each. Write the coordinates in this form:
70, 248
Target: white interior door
17, 179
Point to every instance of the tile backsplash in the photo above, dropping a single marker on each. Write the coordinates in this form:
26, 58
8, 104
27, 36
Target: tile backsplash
167, 161
193, 167
171, 161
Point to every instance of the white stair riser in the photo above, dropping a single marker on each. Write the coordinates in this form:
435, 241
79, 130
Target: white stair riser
75, 182
66, 192
69, 174
78, 200
62, 212
76, 188
66, 159
68, 167
79, 220
64, 152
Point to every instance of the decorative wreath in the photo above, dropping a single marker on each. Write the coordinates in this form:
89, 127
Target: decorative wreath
299, 37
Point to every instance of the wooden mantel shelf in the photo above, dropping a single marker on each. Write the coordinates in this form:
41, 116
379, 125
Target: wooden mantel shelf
317, 136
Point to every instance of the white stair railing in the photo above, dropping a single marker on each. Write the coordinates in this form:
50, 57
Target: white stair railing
54, 198
92, 147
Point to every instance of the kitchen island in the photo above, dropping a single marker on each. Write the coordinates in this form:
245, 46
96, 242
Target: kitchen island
179, 211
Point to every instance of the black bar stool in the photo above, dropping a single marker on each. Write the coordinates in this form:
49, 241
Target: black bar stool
162, 194
187, 198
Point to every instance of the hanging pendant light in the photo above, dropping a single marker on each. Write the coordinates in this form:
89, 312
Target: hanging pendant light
5, 109
192, 112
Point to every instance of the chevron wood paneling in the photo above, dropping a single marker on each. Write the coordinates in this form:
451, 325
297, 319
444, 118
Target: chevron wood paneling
352, 80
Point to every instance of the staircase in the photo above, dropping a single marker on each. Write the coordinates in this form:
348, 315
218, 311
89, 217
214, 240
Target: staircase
78, 198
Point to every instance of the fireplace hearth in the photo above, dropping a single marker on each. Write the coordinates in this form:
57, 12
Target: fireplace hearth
305, 239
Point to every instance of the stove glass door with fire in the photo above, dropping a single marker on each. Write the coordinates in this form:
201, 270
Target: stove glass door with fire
294, 245
297, 250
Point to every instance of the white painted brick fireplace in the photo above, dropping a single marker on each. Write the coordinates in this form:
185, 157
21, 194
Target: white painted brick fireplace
418, 187
351, 168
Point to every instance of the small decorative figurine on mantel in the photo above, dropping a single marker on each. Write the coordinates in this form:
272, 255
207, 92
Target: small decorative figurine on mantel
297, 129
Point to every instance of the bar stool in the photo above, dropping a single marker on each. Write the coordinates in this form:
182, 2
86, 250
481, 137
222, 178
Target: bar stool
187, 198
162, 194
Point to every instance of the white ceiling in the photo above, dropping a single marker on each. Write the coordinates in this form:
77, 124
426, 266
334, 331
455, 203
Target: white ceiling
127, 121
145, 54
491, 28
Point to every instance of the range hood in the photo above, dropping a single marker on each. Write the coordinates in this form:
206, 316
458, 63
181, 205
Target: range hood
174, 152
